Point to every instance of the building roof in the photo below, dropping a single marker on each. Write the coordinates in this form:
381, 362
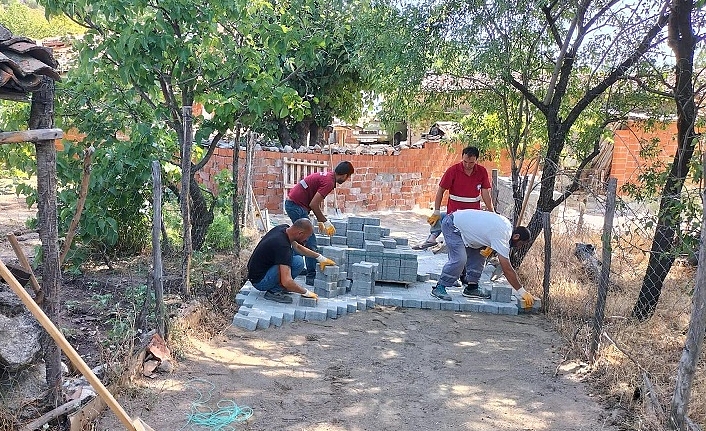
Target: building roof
22, 65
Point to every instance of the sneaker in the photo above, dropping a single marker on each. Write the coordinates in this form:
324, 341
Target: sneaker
310, 280
472, 291
439, 291
278, 297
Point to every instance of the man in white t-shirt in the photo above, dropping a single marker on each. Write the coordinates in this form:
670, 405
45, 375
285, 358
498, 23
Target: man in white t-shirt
467, 232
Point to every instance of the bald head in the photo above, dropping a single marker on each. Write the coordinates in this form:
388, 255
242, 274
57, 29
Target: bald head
300, 230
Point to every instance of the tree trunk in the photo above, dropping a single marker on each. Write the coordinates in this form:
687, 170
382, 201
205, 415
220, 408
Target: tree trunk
42, 117
682, 42
316, 134
285, 138
201, 215
301, 133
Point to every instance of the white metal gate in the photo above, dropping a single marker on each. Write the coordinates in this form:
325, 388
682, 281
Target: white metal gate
294, 170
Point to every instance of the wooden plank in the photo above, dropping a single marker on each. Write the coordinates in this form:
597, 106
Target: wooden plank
30, 136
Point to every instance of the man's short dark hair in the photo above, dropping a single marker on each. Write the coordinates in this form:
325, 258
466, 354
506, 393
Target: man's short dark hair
471, 151
523, 232
344, 168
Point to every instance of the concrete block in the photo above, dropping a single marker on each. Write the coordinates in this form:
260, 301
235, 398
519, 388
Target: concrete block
370, 302
341, 227
434, 276
431, 304
339, 240
251, 300
396, 302
323, 240
288, 315
372, 221
450, 305
423, 277
501, 294
385, 231
412, 303
361, 304
401, 241
470, 306
352, 308
245, 322
332, 312
536, 306
508, 308
332, 270
489, 307
240, 298
355, 220
299, 314
315, 315
307, 302
325, 285
342, 309
374, 246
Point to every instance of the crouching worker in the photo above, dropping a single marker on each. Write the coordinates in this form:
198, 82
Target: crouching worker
273, 261
468, 235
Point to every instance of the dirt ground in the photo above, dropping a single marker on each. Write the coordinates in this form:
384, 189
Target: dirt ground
386, 368
382, 369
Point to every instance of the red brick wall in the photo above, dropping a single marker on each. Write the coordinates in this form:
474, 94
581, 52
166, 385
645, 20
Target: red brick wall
627, 163
403, 182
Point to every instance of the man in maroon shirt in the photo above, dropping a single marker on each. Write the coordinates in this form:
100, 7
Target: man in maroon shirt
308, 195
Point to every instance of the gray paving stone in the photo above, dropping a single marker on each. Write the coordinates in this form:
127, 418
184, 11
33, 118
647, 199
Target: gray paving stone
489, 307
432, 304
316, 315
412, 303
352, 308
332, 313
450, 305
299, 314
370, 302
473, 307
240, 298
245, 322
307, 302
508, 308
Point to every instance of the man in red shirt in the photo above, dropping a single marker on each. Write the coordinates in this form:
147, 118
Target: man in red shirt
468, 184
308, 195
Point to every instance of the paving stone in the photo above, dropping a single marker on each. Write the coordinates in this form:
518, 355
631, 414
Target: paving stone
361, 304
412, 303
240, 298
397, 302
299, 314
370, 302
489, 307
508, 308
352, 308
450, 305
423, 278
332, 313
316, 315
431, 304
245, 322
473, 307
307, 302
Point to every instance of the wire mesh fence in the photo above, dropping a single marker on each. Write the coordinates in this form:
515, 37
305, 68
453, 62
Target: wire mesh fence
636, 360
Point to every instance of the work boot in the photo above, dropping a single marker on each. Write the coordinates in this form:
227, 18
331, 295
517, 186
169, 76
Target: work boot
439, 291
472, 291
278, 297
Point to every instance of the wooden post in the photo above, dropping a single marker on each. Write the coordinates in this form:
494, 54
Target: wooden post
158, 281
605, 269
547, 227
694, 344
185, 202
235, 200
42, 117
249, 154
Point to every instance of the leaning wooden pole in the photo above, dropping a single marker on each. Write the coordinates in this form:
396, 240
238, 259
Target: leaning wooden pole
82, 195
185, 202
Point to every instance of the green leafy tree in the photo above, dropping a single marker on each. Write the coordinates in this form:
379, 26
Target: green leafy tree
141, 62
23, 20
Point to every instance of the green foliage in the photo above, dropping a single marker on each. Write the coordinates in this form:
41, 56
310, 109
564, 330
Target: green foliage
23, 20
220, 234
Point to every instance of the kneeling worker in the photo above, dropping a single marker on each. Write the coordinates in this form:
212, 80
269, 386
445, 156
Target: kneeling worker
273, 261
468, 233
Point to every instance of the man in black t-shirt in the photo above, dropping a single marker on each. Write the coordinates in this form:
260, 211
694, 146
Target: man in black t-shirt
273, 261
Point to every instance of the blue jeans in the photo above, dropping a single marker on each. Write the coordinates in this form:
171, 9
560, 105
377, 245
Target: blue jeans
295, 212
460, 256
270, 282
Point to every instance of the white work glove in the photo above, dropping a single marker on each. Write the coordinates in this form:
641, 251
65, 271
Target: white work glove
324, 261
327, 228
522, 294
310, 294
432, 219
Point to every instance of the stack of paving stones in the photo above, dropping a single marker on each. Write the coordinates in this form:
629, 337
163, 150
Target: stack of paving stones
364, 253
